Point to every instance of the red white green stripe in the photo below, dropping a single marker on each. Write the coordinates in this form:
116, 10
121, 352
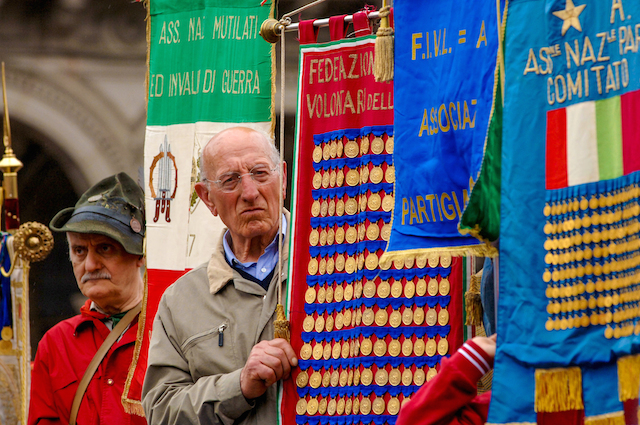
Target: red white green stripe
593, 141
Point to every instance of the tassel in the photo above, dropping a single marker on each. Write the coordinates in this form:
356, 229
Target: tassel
281, 324
383, 59
616, 418
558, 390
629, 377
473, 301
133, 408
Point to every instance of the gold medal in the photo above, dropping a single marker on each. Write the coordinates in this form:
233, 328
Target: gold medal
431, 317
326, 354
387, 203
443, 317
421, 261
389, 144
445, 260
344, 378
323, 237
398, 263
382, 377
315, 208
431, 374
395, 377
364, 174
302, 379
301, 406
322, 266
407, 377
431, 347
361, 234
347, 317
312, 406
317, 180
357, 289
335, 378
364, 145
348, 292
386, 232
408, 262
313, 266
306, 351
374, 202
340, 408
373, 231
350, 265
368, 317
419, 377
365, 406
445, 287
433, 260
390, 174
362, 199
326, 152
369, 289
418, 316
339, 321
315, 380
353, 177
356, 406
378, 406
381, 317
356, 377
317, 154
329, 294
319, 324
314, 237
332, 212
395, 319
380, 348
395, 347
351, 149
372, 261
322, 294
407, 316
340, 209
421, 287
443, 346
333, 149
433, 287
384, 289
331, 265
339, 148
409, 289
419, 347
346, 349
324, 208
308, 324
340, 235
326, 179
338, 293
366, 378
396, 289
351, 235
358, 317
332, 177
348, 406
329, 323
339, 177
376, 175
335, 351
377, 145
393, 406
407, 347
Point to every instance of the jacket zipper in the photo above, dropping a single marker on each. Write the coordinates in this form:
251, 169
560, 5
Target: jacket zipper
191, 340
221, 329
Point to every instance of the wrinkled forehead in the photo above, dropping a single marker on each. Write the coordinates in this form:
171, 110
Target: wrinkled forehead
238, 149
84, 239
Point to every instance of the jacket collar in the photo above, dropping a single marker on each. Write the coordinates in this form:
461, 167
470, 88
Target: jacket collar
220, 272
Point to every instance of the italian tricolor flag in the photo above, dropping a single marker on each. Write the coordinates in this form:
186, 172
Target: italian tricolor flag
592, 141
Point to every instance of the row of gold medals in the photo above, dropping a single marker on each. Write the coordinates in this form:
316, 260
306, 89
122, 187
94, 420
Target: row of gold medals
328, 293
611, 262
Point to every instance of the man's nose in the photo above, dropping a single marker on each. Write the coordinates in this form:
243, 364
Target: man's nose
92, 261
249, 188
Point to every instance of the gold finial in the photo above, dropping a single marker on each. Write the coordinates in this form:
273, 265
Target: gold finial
9, 162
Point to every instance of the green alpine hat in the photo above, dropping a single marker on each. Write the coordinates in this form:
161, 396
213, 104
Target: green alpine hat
114, 207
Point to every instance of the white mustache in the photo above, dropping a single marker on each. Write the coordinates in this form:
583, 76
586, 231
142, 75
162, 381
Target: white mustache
95, 275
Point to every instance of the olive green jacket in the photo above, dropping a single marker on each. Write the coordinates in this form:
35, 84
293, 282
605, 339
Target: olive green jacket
206, 324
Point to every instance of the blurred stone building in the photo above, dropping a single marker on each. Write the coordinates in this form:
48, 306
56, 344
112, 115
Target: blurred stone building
75, 73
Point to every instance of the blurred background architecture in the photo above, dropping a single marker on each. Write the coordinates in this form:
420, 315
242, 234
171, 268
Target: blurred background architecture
75, 72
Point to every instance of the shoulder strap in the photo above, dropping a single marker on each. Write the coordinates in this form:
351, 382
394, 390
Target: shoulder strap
113, 336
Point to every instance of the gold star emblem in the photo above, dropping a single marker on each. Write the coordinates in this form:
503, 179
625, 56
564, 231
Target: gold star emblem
570, 16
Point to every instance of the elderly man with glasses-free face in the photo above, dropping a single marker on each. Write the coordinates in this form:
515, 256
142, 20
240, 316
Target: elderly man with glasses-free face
212, 357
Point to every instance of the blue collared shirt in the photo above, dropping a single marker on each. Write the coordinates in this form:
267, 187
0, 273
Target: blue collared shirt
266, 263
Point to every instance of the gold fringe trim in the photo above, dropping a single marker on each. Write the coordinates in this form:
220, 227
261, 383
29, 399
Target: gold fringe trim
383, 51
473, 301
490, 249
133, 407
615, 418
629, 377
281, 324
409, 255
558, 390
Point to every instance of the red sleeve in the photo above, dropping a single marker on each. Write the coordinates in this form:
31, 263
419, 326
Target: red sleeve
450, 398
41, 405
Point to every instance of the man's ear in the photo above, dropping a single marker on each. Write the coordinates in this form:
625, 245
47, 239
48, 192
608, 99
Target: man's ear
203, 194
284, 179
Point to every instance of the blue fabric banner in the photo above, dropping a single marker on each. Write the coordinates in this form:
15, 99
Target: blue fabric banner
568, 248
442, 110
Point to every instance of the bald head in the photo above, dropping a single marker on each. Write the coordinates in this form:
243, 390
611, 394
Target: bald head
208, 165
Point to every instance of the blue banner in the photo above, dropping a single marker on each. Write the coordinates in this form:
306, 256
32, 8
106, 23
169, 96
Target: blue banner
569, 268
442, 110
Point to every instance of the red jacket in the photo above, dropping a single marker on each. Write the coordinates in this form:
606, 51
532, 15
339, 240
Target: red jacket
62, 357
450, 398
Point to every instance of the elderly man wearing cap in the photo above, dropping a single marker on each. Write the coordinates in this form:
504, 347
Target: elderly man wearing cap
81, 363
